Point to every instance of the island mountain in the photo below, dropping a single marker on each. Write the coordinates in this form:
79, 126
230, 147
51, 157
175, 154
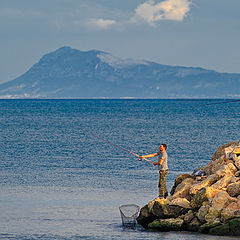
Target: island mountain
71, 73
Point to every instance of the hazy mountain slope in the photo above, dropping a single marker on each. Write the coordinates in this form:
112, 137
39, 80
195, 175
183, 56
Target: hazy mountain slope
70, 73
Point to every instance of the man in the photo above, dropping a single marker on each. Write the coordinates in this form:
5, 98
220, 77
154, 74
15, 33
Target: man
162, 167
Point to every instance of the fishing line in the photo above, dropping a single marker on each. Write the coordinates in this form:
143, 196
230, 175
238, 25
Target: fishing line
128, 151
119, 147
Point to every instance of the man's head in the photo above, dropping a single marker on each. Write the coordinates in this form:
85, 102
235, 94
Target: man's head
163, 147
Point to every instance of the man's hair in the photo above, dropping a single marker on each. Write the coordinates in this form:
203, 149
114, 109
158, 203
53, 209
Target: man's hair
164, 145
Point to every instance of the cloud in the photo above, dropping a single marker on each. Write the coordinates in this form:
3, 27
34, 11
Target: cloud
92, 16
100, 23
152, 12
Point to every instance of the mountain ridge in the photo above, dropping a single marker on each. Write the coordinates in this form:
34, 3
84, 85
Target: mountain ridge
71, 73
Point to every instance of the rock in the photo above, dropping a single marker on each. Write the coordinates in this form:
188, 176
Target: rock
207, 226
167, 211
189, 216
203, 195
237, 150
179, 179
193, 225
212, 216
224, 170
219, 158
221, 230
234, 226
221, 200
174, 224
201, 178
233, 189
215, 165
231, 211
202, 212
208, 204
145, 217
237, 174
182, 189
237, 163
199, 198
235, 179
223, 182
182, 202
232, 166
222, 152
207, 182
159, 200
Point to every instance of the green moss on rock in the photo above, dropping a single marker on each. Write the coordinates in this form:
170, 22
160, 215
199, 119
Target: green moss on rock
221, 230
207, 226
234, 226
174, 224
199, 198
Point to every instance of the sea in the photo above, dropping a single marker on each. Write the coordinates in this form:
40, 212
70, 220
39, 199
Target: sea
67, 165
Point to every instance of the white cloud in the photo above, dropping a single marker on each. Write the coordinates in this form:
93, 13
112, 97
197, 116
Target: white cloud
99, 17
152, 12
101, 23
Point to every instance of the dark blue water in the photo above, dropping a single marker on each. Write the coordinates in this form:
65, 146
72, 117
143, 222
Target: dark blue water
58, 181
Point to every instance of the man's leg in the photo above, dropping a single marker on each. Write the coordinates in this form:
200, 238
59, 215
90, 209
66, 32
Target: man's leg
162, 184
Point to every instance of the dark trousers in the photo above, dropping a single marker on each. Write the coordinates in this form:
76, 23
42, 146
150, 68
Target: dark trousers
162, 183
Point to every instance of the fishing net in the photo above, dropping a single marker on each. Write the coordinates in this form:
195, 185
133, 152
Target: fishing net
129, 215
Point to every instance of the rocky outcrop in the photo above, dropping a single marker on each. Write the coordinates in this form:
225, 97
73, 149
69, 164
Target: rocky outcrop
207, 203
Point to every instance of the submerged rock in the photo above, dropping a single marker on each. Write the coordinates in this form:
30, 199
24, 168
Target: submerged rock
209, 203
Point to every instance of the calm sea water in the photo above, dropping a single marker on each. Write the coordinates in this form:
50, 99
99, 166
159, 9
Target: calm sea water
59, 181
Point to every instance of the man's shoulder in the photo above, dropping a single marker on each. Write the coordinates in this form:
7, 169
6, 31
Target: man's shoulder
165, 153
162, 154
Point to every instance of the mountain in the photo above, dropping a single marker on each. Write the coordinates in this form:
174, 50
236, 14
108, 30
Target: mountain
70, 73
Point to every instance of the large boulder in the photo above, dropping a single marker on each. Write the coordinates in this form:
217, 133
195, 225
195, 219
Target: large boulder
207, 182
188, 217
179, 179
207, 226
233, 189
234, 226
231, 228
220, 158
202, 212
237, 163
221, 230
183, 188
231, 211
145, 217
221, 200
166, 224
224, 150
167, 211
223, 182
193, 225
181, 202
203, 195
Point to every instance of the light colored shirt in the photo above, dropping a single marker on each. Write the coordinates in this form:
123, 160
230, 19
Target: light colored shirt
163, 156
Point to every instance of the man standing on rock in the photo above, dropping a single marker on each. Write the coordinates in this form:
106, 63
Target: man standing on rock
162, 167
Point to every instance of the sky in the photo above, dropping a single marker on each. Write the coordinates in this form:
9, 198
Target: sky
192, 33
